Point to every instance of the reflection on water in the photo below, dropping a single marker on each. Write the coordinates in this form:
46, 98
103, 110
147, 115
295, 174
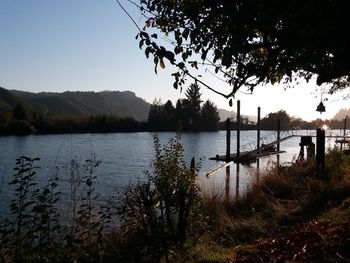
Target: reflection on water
227, 183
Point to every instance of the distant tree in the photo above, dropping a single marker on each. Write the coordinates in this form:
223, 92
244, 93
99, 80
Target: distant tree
169, 115
20, 112
270, 121
192, 106
179, 115
209, 116
162, 117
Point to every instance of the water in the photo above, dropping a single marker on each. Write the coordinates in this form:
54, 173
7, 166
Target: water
125, 156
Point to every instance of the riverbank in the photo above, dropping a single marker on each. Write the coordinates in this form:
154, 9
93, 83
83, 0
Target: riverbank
290, 215
285, 214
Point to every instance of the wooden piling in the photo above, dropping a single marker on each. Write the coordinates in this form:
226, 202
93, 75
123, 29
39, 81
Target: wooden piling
345, 126
258, 131
228, 140
238, 128
278, 134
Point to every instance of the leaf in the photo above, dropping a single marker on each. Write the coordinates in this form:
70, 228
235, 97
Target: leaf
161, 64
181, 65
156, 64
185, 33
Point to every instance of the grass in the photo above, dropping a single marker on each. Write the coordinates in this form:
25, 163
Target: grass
287, 215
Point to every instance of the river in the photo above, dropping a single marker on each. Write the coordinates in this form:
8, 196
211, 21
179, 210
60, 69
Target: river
125, 156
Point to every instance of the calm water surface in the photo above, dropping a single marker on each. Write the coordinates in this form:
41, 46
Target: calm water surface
125, 156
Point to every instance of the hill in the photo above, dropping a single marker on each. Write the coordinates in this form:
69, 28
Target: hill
78, 103
341, 114
224, 114
7, 100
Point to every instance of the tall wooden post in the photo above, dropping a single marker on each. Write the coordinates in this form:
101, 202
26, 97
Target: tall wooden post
228, 140
278, 141
258, 131
228, 153
345, 126
344, 134
238, 129
320, 152
278, 134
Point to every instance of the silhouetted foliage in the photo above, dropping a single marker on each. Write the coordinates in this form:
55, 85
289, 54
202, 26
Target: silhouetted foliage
162, 213
270, 121
251, 42
37, 232
162, 117
186, 116
209, 116
192, 106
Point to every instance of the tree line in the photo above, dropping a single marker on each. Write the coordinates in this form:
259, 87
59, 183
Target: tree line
189, 114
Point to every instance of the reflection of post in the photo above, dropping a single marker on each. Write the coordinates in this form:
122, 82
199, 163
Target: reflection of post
237, 180
227, 183
258, 167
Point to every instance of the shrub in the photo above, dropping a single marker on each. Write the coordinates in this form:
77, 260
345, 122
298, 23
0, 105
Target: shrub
161, 213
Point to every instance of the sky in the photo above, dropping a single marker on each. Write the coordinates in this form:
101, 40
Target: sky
89, 45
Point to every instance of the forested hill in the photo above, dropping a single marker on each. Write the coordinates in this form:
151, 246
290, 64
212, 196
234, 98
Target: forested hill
78, 103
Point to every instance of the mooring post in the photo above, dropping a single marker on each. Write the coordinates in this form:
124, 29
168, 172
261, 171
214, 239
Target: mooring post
320, 152
228, 139
228, 153
344, 134
345, 126
278, 140
238, 129
258, 131
278, 134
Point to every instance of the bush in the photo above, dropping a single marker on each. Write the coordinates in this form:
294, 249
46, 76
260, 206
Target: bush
162, 213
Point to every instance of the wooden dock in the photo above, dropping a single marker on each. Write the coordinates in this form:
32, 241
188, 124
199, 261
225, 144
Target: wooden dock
246, 157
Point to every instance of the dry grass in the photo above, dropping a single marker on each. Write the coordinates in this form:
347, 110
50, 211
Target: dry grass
274, 205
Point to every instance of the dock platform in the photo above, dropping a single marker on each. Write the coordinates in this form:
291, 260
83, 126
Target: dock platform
246, 157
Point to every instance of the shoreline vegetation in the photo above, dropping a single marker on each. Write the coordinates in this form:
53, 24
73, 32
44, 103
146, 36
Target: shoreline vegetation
286, 215
113, 124
24, 115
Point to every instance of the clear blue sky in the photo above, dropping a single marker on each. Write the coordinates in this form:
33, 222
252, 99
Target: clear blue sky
90, 45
